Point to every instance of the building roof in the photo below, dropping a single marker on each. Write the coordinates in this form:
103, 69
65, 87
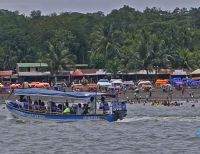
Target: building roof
78, 65
32, 64
141, 72
197, 71
63, 73
165, 71
6, 73
34, 73
89, 71
180, 72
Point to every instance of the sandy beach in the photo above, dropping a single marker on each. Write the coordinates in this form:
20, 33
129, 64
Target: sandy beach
156, 94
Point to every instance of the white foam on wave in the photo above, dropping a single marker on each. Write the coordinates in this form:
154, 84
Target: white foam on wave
163, 118
135, 119
9, 117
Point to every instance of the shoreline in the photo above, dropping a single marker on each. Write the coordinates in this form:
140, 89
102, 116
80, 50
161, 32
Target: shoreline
156, 94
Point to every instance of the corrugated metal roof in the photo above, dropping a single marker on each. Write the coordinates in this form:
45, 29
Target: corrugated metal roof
32, 64
34, 73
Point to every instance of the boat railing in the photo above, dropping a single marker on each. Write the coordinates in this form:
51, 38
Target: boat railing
26, 106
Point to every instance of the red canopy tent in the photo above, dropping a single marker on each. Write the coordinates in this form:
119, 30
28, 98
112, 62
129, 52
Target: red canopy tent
77, 73
6, 73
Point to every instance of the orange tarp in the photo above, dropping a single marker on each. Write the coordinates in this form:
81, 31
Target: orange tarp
160, 82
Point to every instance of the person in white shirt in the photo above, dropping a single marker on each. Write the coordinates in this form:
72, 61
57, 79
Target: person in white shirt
91, 105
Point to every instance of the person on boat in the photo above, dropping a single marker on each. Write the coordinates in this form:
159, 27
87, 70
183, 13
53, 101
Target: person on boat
52, 107
21, 98
101, 104
91, 105
85, 108
35, 105
39, 102
74, 108
67, 108
66, 103
79, 109
104, 105
60, 107
42, 106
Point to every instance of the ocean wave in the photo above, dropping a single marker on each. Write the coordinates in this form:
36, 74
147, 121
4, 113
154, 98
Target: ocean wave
161, 118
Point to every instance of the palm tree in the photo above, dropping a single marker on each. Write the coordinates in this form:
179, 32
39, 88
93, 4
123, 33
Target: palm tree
113, 66
103, 40
58, 57
144, 53
186, 58
144, 60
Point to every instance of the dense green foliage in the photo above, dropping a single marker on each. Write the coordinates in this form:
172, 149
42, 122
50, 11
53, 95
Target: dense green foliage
124, 40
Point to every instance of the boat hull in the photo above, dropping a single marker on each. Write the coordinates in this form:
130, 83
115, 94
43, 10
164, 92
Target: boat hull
36, 116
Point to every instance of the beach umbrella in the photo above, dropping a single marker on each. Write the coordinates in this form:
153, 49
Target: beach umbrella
117, 81
103, 84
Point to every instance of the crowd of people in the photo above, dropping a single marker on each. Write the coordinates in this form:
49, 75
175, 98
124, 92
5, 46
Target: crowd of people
167, 97
91, 107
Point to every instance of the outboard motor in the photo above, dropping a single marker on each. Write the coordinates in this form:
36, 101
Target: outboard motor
114, 106
122, 109
119, 110
122, 106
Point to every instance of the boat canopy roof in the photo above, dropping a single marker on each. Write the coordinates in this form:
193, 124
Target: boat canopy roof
45, 92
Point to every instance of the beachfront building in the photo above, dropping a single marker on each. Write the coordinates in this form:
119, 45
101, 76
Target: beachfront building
6, 76
180, 74
32, 72
195, 75
95, 74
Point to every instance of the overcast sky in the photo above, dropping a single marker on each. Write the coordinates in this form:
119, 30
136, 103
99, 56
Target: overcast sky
84, 6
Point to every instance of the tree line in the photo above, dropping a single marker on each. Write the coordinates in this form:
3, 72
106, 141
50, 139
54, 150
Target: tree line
123, 40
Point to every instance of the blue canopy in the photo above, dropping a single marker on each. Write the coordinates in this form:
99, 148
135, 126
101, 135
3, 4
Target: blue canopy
45, 92
103, 80
38, 91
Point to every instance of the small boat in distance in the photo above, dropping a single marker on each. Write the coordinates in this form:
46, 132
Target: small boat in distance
50, 105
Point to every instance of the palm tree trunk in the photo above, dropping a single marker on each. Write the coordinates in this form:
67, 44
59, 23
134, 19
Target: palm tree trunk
147, 71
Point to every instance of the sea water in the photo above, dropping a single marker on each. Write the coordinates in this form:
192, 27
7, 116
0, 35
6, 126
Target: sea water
146, 129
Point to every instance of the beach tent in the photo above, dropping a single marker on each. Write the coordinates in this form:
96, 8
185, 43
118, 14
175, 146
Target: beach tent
166, 85
144, 82
179, 83
117, 83
77, 73
145, 85
160, 82
129, 83
117, 80
103, 82
174, 80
